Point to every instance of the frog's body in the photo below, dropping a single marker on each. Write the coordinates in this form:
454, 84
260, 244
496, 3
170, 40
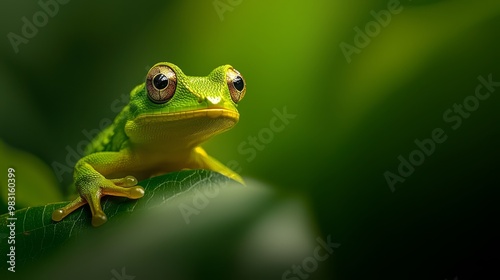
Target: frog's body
159, 131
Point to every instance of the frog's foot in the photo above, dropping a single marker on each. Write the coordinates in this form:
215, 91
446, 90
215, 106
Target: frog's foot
91, 192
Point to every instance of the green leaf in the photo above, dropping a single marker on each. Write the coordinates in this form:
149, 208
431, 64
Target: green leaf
36, 235
190, 225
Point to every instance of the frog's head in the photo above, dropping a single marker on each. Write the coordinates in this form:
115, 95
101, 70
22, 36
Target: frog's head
171, 106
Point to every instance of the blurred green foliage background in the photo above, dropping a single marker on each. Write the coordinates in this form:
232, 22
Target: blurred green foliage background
352, 119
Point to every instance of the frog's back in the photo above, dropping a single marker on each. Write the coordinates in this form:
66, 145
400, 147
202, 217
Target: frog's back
110, 139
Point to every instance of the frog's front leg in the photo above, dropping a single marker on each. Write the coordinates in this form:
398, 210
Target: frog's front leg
207, 162
92, 185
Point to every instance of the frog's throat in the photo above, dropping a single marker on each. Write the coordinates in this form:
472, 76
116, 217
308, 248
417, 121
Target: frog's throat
185, 129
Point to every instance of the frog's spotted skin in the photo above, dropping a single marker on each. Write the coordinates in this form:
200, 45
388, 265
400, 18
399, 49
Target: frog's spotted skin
159, 131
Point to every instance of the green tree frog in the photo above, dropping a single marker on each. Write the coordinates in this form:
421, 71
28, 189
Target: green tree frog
159, 131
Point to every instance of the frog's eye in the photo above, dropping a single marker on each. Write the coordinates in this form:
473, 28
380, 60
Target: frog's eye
236, 84
161, 82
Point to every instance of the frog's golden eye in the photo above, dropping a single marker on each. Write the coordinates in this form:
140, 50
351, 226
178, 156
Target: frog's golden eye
161, 82
236, 84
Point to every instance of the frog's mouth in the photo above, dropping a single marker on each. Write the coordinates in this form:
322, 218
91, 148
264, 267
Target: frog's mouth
198, 113
186, 128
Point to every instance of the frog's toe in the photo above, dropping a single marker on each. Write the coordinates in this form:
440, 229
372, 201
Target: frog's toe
99, 219
60, 213
130, 192
98, 216
128, 181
